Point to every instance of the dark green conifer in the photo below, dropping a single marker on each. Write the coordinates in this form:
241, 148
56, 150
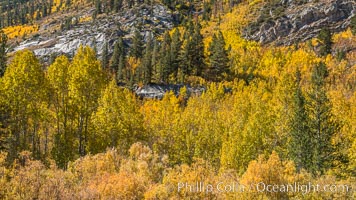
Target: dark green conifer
3, 58
321, 121
198, 49
325, 38
219, 61
136, 49
299, 147
117, 53
353, 25
175, 48
104, 56
165, 58
147, 61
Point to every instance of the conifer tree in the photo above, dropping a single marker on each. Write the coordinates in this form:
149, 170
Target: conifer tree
219, 61
44, 11
155, 58
321, 122
300, 149
94, 46
353, 25
117, 5
189, 26
121, 66
104, 56
147, 61
198, 49
325, 38
68, 2
165, 58
137, 45
117, 61
114, 61
98, 6
3, 46
117, 53
175, 48
185, 57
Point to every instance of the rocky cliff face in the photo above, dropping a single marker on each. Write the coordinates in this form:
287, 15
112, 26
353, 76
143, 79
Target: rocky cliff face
302, 22
50, 40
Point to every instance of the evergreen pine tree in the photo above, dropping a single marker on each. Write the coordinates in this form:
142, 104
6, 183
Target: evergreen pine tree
93, 42
299, 147
44, 11
98, 6
114, 61
147, 62
105, 55
321, 123
189, 26
121, 66
118, 51
137, 45
353, 25
185, 57
117, 5
325, 38
68, 2
154, 60
165, 58
3, 45
218, 58
198, 55
175, 48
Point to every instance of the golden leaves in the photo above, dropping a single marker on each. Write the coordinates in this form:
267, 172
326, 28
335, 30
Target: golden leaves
20, 31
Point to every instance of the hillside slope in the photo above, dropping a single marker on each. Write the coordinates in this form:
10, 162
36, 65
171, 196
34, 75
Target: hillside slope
83, 30
288, 22
62, 26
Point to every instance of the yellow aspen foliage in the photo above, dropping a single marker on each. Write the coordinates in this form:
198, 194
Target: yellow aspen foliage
343, 35
117, 121
63, 144
87, 79
244, 54
249, 120
25, 93
20, 31
58, 74
4, 173
202, 126
85, 19
181, 182
56, 6
303, 60
352, 155
132, 64
111, 145
85, 86
271, 171
161, 118
271, 64
123, 185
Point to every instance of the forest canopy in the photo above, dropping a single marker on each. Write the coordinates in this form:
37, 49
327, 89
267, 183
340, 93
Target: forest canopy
73, 128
